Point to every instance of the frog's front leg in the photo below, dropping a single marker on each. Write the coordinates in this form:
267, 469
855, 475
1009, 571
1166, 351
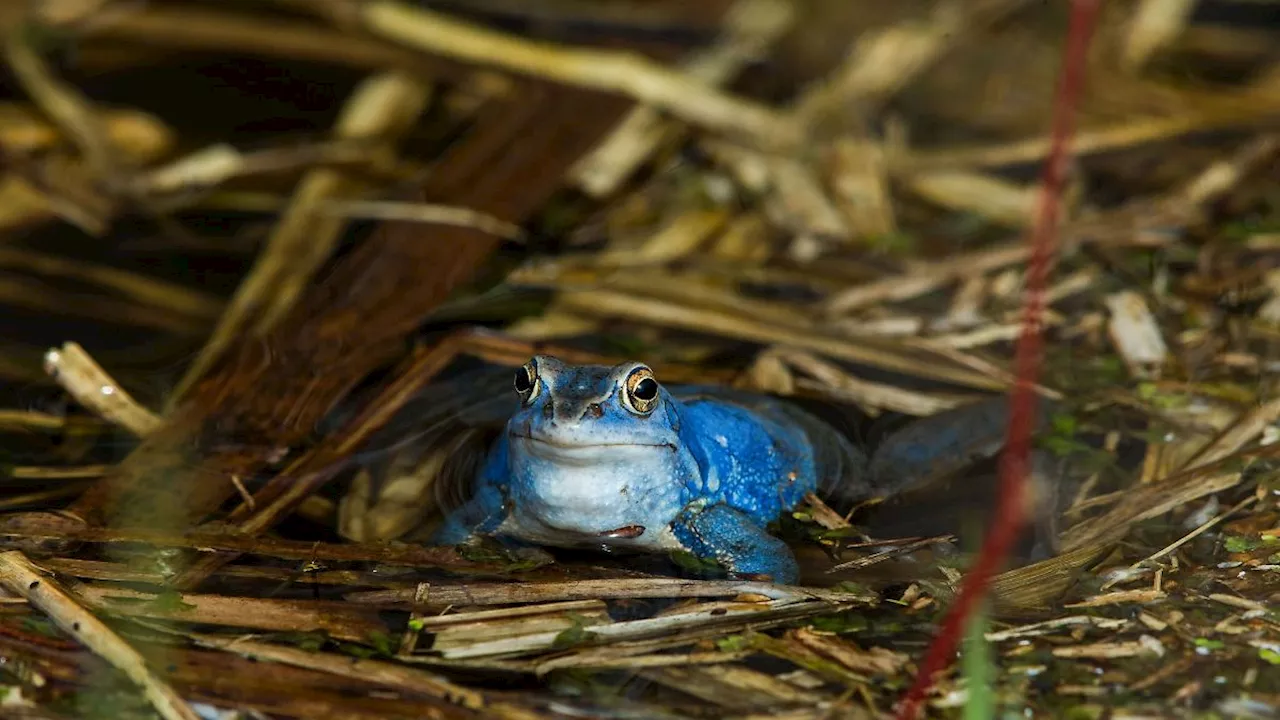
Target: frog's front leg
736, 541
486, 509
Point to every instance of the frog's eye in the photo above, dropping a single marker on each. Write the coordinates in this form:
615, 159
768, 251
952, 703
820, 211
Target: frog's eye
642, 390
526, 380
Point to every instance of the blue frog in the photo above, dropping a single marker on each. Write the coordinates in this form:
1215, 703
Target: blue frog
609, 458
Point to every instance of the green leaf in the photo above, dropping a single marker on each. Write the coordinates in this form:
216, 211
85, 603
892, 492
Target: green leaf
689, 561
383, 643
842, 623
1159, 398
489, 552
357, 650
1064, 446
1269, 655
309, 641
575, 634
1064, 424
733, 643
852, 531
893, 243
1241, 543
1243, 230
169, 601
1109, 368
41, 626
849, 586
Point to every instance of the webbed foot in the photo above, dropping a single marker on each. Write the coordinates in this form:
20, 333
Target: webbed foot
738, 543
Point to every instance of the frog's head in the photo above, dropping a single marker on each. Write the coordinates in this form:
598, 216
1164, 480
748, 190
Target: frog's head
575, 413
595, 454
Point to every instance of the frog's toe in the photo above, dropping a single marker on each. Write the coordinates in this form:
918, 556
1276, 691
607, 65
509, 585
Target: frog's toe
737, 542
452, 532
464, 526
779, 567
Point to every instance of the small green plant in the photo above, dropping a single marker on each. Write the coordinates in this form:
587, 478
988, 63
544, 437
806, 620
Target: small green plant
1241, 543
693, 563
576, 634
978, 668
169, 601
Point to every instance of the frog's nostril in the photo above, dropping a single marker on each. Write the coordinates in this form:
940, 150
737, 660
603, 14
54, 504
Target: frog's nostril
548, 411
595, 411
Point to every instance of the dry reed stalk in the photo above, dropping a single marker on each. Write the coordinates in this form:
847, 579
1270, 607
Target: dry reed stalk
135, 134
671, 314
377, 672
883, 61
93, 388
339, 620
695, 102
57, 473
1096, 140
74, 114
478, 594
872, 397
986, 196
43, 592
384, 210
1154, 25
35, 420
143, 290
749, 27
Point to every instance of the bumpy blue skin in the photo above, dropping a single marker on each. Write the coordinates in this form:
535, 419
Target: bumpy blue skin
583, 463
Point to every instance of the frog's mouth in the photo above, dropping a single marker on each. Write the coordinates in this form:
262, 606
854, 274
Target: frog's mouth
628, 532
571, 446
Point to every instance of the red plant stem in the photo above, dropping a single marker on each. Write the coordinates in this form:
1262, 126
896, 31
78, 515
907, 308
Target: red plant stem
1011, 510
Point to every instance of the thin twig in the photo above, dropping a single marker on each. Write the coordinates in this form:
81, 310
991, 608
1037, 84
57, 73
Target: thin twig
1195, 533
427, 213
439, 596
93, 388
